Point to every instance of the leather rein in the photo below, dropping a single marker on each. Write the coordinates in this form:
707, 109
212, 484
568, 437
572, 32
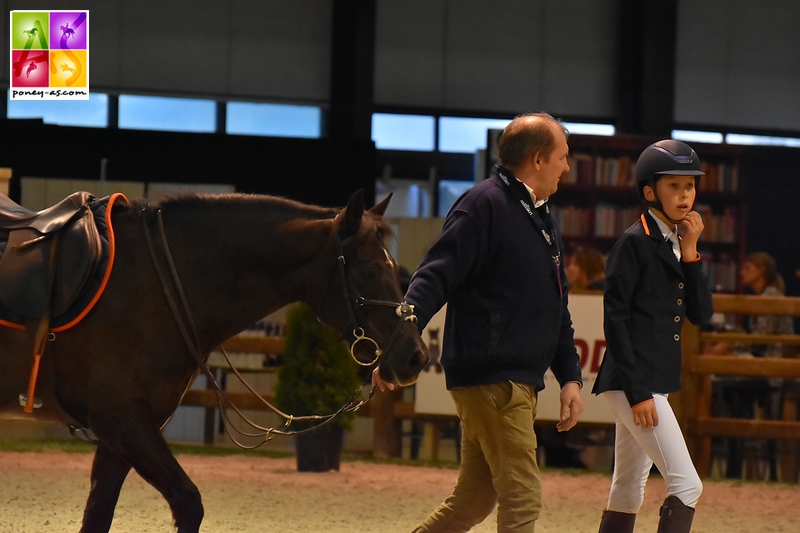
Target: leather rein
354, 303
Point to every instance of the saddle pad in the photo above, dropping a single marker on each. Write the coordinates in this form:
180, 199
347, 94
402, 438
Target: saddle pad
101, 210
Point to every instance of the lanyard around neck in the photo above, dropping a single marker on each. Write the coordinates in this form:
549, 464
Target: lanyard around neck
515, 186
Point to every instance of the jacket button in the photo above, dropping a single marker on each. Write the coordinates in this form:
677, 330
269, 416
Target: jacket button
680, 301
680, 285
677, 318
677, 337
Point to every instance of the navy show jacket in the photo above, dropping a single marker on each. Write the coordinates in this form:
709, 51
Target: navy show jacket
648, 294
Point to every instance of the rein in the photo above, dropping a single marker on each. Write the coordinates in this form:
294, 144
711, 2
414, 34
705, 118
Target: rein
403, 310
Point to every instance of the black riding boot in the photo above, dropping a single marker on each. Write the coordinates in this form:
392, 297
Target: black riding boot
616, 522
675, 516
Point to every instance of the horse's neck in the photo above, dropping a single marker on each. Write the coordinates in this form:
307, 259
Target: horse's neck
252, 271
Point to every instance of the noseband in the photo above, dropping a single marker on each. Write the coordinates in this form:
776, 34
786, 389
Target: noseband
355, 302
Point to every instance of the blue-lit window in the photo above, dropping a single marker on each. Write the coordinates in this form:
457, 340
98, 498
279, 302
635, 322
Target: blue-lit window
167, 114
710, 137
88, 113
459, 134
449, 192
587, 128
763, 140
466, 135
403, 132
277, 120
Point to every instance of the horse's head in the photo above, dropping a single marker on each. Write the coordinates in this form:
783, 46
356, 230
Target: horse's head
362, 298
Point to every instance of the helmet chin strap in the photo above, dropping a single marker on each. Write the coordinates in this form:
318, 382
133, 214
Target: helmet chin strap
660, 207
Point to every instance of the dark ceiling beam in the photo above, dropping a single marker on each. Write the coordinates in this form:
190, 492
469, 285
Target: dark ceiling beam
352, 69
646, 68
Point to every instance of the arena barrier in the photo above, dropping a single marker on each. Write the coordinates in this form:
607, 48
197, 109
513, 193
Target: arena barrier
694, 404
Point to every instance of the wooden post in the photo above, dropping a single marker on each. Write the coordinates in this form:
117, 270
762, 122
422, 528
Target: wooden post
429, 449
684, 402
702, 451
5, 178
386, 439
788, 452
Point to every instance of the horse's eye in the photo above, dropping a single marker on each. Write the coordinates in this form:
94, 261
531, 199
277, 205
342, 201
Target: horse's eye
368, 273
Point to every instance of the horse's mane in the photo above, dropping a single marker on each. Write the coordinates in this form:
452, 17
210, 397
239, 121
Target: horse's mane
279, 206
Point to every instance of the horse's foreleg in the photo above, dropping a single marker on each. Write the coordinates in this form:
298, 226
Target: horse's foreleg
143, 447
156, 464
108, 474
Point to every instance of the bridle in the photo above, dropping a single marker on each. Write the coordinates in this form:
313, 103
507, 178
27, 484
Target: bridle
355, 302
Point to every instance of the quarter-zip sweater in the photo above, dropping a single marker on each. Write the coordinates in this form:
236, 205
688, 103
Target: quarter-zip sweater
507, 316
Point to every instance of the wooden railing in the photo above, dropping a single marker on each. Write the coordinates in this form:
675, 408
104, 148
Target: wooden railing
693, 406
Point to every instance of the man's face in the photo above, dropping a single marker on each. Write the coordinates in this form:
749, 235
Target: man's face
551, 167
676, 193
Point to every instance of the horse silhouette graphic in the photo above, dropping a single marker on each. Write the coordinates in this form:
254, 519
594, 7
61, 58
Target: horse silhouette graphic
30, 33
67, 32
66, 67
31, 68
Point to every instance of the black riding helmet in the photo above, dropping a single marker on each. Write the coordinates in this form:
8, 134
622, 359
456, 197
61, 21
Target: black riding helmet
662, 158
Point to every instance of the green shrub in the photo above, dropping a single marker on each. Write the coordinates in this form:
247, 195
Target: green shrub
318, 374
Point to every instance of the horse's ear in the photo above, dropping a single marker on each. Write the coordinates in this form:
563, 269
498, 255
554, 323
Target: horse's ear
352, 214
380, 208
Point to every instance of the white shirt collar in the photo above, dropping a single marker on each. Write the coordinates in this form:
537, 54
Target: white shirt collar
670, 234
536, 202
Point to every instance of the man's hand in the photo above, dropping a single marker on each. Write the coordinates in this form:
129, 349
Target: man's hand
645, 414
377, 381
571, 406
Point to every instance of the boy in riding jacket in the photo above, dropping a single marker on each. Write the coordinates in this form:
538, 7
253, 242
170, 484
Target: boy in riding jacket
654, 280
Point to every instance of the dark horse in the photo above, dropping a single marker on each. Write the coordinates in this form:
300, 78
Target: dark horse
121, 371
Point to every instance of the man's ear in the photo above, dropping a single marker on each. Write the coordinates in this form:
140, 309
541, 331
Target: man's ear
649, 194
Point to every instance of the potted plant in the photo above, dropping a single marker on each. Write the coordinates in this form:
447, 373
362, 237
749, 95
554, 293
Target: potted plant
317, 377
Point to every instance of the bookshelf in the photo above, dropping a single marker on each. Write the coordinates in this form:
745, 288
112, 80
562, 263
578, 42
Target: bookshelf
597, 199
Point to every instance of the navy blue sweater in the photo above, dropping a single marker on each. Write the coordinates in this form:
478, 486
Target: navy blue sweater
507, 316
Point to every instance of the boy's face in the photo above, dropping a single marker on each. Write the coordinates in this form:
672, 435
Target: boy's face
676, 193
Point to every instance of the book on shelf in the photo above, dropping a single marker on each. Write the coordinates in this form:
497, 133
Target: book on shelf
611, 220
720, 177
573, 221
588, 170
719, 227
721, 272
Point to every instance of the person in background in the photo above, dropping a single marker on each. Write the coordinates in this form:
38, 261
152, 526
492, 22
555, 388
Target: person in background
759, 275
497, 265
654, 280
586, 269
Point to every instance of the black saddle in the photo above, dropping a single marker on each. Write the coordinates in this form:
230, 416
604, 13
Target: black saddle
47, 256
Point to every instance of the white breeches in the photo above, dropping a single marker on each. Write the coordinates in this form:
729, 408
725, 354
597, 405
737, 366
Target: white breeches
636, 449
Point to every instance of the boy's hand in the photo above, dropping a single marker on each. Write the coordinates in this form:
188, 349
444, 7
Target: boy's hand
645, 414
692, 226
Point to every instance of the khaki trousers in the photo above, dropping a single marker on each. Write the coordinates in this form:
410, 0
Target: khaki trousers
498, 462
